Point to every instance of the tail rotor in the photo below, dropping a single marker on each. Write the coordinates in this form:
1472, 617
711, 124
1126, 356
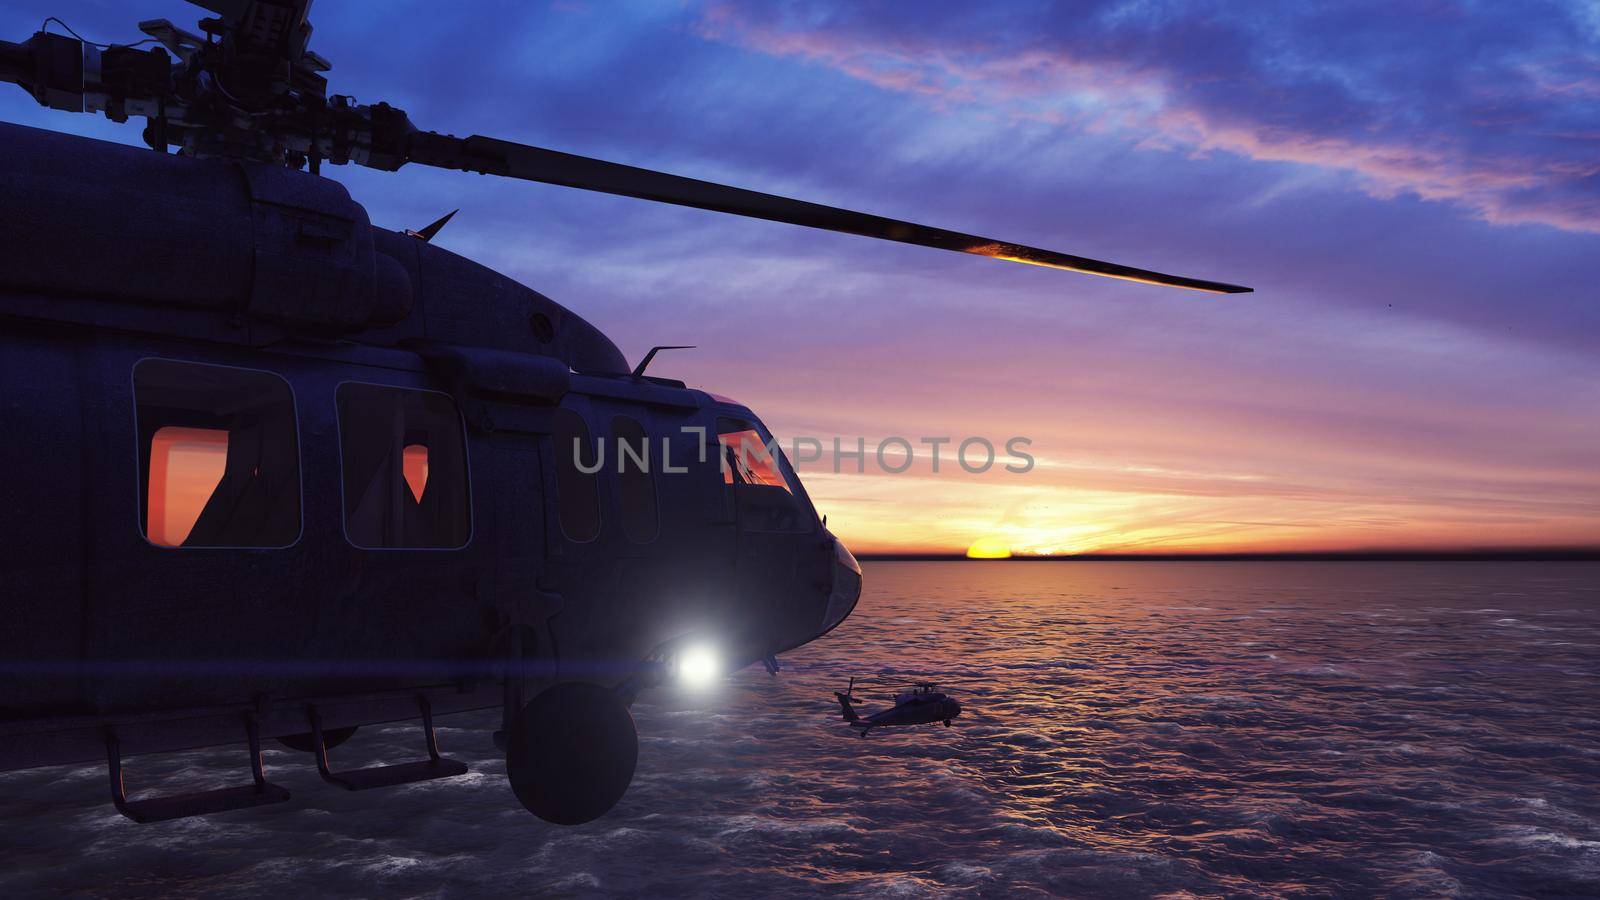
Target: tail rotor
847, 698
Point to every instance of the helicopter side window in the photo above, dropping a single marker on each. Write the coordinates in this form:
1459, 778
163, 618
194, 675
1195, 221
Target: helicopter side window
219, 456
759, 477
404, 463
636, 487
577, 490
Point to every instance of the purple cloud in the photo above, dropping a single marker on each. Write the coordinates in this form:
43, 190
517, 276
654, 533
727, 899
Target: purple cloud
1491, 109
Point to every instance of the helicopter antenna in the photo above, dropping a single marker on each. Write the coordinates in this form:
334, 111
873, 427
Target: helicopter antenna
638, 372
426, 232
250, 89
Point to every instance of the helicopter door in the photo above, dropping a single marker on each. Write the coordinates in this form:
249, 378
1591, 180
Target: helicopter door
201, 557
776, 528
404, 566
639, 552
576, 532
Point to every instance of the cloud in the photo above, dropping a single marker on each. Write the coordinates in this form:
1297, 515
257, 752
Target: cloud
1407, 373
1490, 109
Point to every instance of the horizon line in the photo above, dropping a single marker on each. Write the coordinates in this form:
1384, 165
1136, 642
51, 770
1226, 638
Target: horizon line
1532, 554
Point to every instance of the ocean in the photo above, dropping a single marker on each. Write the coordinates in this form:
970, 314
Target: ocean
1128, 730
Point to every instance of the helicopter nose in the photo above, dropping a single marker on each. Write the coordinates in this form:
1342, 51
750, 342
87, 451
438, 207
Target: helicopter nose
846, 587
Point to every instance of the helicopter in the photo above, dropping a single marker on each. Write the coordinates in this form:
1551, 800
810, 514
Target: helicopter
276, 472
923, 704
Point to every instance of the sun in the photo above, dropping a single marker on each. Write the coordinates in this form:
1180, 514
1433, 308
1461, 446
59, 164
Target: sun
989, 548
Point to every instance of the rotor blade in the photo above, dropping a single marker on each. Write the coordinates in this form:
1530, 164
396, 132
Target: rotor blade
496, 157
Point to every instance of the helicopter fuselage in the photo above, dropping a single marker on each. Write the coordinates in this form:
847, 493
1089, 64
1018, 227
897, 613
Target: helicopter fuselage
920, 706
270, 471
153, 306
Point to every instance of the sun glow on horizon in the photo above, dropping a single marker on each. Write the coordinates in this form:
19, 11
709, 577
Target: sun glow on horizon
989, 548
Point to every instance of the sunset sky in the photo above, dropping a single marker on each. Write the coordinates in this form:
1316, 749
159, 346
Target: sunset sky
1413, 190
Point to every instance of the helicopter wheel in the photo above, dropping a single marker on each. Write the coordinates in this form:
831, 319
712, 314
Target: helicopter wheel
947, 723
307, 743
571, 752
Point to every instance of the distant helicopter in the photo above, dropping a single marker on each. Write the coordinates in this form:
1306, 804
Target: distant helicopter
923, 704
274, 472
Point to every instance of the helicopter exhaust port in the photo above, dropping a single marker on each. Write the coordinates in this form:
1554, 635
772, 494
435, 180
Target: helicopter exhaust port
571, 752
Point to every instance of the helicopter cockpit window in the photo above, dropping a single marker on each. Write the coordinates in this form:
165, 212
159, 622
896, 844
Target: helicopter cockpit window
219, 457
636, 487
577, 490
761, 478
405, 468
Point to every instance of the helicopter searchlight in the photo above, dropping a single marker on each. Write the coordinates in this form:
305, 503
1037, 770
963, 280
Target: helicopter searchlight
699, 666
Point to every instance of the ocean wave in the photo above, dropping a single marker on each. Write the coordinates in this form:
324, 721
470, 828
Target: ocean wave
1127, 731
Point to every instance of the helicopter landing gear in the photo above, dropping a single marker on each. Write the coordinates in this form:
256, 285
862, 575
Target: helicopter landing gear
571, 752
435, 766
161, 809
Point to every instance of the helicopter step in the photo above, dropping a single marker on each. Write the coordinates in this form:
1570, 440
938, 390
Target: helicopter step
435, 766
177, 806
